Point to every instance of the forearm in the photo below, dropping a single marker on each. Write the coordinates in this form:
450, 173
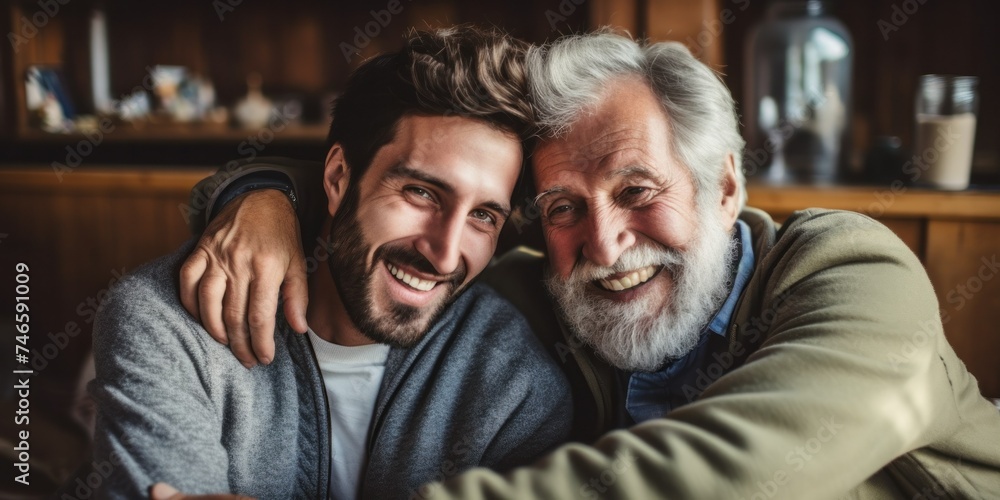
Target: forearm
301, 180
725, 447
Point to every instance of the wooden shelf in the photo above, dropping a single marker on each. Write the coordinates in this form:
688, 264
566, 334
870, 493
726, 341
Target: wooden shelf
102, 181
193, 133
879, 201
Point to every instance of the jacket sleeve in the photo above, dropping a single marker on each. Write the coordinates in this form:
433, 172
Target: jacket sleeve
846, 380
155, 421
304, 178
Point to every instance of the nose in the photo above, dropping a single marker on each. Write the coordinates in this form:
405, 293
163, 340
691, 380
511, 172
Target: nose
441, 243
606, 238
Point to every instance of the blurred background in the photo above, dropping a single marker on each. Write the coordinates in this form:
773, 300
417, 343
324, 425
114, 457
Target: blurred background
111, 110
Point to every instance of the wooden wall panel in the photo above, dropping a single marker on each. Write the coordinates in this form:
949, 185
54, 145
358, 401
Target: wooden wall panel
621, 14
696, 24
701, 25
961, 259
911, 231
77, 236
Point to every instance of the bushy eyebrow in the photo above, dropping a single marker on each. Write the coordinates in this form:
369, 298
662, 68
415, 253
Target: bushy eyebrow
500, 208
633, 171
401, 171
547, 192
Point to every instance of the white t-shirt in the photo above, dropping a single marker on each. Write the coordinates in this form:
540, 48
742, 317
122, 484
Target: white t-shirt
352, 376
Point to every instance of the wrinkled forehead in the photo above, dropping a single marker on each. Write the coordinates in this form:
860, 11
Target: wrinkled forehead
625, 131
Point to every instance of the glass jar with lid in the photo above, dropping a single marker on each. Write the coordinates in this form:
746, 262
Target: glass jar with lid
796, 105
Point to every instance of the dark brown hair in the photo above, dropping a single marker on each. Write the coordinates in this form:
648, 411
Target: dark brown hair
459, 71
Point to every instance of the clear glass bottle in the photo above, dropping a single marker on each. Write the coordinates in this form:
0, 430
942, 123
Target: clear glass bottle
796, 106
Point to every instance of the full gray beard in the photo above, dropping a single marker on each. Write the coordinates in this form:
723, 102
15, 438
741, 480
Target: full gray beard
634, 336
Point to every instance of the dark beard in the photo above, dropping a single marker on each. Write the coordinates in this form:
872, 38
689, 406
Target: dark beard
400, 327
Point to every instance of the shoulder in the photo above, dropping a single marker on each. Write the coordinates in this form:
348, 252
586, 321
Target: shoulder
813, 240
141, 319
146, 295
146, 343
484, 315
517, 276
839, 232
843, 279
499, 340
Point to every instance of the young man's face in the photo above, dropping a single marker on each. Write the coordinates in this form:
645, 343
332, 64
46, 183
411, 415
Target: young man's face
425, 221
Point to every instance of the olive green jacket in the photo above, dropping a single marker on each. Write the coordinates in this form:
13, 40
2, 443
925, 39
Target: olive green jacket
838, 382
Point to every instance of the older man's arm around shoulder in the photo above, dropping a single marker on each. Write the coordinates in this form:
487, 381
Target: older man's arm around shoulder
155, 421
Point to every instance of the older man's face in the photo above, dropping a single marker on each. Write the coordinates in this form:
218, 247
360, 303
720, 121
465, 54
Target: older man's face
636, 267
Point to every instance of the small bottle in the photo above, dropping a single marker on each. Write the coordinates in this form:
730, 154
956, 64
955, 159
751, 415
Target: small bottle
797, 94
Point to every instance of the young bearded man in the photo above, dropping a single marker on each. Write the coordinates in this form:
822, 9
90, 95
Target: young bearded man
408, 371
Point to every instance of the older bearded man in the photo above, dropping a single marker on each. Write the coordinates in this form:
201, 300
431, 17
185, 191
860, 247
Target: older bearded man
746, 361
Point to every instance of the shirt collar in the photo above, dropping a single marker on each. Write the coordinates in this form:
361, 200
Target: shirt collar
744, 269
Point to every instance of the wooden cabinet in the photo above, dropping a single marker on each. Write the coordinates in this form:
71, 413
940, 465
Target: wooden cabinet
956, 236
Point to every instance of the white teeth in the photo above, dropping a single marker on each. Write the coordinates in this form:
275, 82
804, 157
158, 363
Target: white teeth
412, 281
633, 279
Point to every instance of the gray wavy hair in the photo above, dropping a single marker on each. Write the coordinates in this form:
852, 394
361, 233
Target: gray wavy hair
568, 76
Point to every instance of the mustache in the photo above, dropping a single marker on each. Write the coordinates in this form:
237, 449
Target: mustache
634, 258
409, 257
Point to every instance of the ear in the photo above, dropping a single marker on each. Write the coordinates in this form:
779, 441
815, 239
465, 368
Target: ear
336, 176
731, 189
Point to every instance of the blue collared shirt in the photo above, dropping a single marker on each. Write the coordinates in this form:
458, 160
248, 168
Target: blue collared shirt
652, 395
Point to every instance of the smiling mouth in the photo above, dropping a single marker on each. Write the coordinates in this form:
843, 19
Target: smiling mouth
629, 280
410, 280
